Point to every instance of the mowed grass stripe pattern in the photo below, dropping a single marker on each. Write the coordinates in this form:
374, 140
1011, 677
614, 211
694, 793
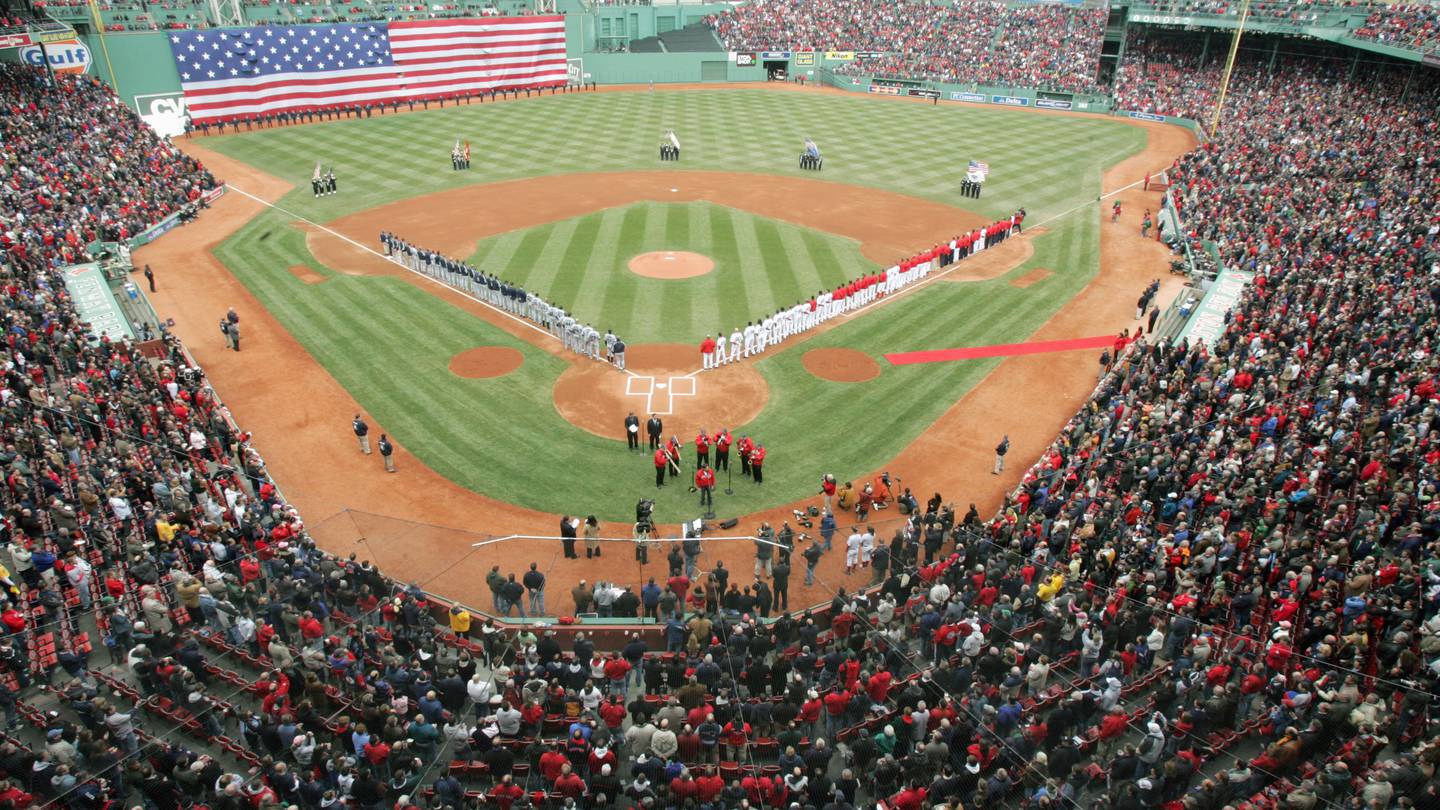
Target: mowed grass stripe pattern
582, 264
389, 342
1042, 162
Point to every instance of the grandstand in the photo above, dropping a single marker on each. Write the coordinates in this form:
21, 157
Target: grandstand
1219, 587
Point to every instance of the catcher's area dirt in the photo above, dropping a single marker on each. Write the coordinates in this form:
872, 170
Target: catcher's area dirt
307, 443
484, 362
1035, 276
671, 264
594, 397
840, 365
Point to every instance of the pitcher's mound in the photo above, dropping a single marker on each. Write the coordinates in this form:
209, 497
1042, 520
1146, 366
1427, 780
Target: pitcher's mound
671, 264
486, 361
841, 365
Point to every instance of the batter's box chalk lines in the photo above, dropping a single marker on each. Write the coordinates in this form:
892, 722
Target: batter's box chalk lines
659, 396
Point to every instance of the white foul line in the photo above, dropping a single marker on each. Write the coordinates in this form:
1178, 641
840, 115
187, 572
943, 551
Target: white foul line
392, 260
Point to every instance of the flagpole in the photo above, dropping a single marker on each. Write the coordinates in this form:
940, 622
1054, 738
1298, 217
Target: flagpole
1229, 66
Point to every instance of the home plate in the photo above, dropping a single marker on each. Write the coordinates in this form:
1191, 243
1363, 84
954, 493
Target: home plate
673, 190
661, 386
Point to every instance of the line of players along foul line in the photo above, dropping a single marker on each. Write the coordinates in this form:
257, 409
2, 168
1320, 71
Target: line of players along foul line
755, 337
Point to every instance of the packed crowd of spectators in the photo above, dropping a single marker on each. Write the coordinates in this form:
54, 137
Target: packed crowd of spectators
1051, 46
1297, 11
1230, 548
1168, 75
1404, 25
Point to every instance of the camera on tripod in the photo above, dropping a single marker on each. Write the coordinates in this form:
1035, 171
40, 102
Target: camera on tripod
643, 510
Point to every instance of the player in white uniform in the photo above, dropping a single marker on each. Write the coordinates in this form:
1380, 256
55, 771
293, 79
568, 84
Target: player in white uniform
749, 339
719, 351
762, 335
735, 339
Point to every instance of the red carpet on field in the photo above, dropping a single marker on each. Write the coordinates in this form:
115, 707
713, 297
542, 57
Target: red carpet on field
1000, 350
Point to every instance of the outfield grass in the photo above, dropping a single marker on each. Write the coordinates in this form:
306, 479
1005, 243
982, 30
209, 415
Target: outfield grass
389, 342
760, 266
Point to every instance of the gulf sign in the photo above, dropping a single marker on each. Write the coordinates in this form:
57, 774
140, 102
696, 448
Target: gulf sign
66, 56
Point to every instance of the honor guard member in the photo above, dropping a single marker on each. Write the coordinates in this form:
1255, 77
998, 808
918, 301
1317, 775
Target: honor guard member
736, 341
720, 350
315, 184
330, 186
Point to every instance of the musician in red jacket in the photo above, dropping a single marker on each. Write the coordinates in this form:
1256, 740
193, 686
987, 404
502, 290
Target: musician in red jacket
662, 460
673, 448
745, 446
722, 450
757, 463
702, 448
705, 482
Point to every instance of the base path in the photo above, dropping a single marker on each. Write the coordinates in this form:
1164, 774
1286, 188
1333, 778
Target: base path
671, 264
1000, 350
890, 227
301, 416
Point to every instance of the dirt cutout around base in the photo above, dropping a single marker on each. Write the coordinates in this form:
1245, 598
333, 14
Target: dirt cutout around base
1035, 276
485, 362
662, 380
306, 275
671, 264
841, 365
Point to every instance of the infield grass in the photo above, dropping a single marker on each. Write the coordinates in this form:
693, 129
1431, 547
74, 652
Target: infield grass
503, 437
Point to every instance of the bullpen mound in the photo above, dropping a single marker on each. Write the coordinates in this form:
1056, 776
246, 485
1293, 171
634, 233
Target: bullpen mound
841, 365
671, 264
485, 362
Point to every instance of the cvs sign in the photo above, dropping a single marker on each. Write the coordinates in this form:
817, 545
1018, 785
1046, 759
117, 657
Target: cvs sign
66, 56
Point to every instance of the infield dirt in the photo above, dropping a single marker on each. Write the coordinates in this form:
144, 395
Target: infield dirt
300, 414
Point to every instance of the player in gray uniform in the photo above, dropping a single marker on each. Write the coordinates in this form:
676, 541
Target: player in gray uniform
609, 346
592, 342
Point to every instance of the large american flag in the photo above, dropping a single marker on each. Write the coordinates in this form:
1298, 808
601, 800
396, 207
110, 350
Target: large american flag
242, 72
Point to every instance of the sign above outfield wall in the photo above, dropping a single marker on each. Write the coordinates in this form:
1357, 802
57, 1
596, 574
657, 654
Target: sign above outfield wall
1144, 116
805, 59
65, 56
773, 56
1013, 101
973, 98
1053, 104
744, 60
840, 56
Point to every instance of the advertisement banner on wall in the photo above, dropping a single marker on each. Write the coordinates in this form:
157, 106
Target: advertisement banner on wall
14, 40
164, 112
1144, 116
1013, 101
884, 90
66, 56
805, 59
840, 56
974, 98
744, 60
923, 92
1052, 104
774, 55
869, 54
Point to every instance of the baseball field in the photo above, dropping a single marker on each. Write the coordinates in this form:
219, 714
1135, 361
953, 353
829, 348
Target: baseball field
566, 189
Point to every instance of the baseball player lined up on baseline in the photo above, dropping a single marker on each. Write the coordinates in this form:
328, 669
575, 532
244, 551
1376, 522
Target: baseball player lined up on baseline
756, 337
580, 338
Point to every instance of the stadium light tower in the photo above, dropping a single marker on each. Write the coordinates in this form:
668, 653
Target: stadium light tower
226, 12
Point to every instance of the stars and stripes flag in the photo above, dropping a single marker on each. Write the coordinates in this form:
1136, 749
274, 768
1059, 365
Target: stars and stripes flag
983, 168
243, 72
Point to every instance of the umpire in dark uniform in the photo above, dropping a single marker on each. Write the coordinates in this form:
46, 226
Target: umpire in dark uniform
654, 428
632, 431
